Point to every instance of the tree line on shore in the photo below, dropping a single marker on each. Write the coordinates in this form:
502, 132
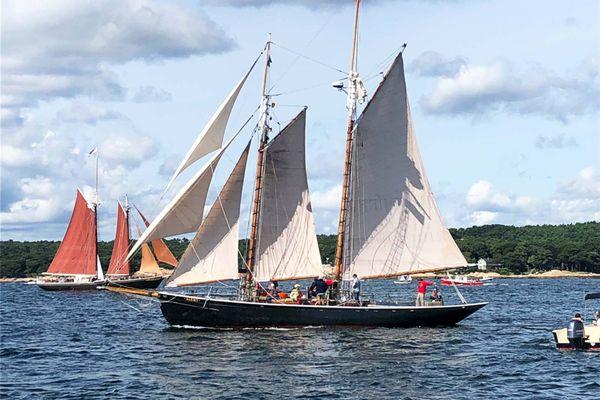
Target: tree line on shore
513, 250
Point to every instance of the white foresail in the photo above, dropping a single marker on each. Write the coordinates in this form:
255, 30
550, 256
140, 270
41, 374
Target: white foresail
213, 253
184, 213
211, 137
287, 243
394, 225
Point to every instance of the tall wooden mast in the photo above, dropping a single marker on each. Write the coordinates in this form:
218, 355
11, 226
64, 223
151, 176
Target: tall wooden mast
351, 106
263, 127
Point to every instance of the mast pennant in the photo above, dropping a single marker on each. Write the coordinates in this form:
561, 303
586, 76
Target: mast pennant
211, 137
394, 225
213, 253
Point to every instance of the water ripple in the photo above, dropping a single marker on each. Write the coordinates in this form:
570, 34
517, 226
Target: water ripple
105, 346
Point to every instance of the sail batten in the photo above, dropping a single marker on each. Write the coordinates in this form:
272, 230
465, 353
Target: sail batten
76, 254
119, 264
212, 254
211, 136
394, 226
287, 243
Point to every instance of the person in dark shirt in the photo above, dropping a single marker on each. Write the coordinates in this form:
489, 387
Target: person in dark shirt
317, 287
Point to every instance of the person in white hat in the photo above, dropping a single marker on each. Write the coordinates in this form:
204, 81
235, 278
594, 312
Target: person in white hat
296, 294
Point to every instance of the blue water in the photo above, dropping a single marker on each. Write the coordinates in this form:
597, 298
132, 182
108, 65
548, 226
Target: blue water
99, 345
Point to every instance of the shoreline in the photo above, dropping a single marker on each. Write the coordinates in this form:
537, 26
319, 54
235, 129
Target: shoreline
555, 273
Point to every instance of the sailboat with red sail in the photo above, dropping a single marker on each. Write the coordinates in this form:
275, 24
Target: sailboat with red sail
150, 274
76, 265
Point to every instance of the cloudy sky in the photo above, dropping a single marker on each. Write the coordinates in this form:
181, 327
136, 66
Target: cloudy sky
505, 96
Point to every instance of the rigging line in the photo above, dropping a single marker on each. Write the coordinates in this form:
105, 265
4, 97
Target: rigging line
226, 155
310, 59
305, 88
285, 72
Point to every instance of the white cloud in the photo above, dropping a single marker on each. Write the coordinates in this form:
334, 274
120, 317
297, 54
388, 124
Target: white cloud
481, 89
328, 199
306, 3
148, 94
130, 151
431, 63
87, 114
62, 48
555, 142
483, 217
577, 200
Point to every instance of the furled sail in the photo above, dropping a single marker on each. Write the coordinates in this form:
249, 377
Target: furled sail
161, 250
119, 264
213, 253
287, 243
184, 213
211, 137
76, 254
394, 226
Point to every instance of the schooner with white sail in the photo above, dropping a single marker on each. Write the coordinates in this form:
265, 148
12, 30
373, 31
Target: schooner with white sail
389, 222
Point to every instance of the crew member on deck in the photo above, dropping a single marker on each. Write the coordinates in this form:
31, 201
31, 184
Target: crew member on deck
317, 289
272, 292
421, 290
296, 294
355, 287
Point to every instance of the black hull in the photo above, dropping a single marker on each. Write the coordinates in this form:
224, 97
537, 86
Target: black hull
137, 283
70, 286
196, 311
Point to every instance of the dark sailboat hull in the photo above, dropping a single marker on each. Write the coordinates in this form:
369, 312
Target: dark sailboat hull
137, 283
196, 311
58, 286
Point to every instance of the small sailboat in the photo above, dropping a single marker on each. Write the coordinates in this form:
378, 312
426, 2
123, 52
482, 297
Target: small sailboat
403, 280
76, 265
150, 274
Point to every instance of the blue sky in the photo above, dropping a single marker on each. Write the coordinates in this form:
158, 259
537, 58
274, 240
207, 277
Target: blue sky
505, 98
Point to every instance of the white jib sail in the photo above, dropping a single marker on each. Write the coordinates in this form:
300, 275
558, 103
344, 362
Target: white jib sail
213, 253
394, 225
287, 243
100, 272
211, 137
184, 213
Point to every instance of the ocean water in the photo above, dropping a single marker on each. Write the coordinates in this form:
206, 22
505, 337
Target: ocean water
100, 345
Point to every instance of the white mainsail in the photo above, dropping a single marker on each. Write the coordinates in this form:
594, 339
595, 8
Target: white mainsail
211, 137
287, 243
213, 253
394, 225
184, 213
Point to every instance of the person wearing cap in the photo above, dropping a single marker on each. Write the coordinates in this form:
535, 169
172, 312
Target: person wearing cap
296, 294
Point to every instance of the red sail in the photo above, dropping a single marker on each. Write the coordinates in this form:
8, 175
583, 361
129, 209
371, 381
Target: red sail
161, 251
119, 264
76, 254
